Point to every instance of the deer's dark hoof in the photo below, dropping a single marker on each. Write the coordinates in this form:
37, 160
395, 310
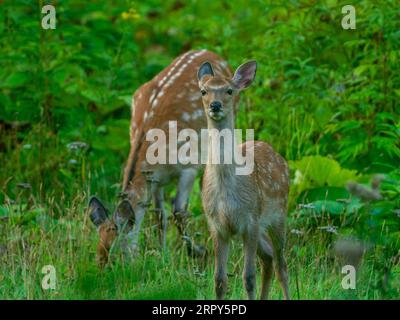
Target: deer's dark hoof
199, 252
195, 250
182, 215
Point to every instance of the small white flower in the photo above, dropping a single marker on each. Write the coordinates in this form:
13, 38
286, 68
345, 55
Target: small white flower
24, 185
27, 146
298, 177
76, 145
330, 229
306, 206
296, 232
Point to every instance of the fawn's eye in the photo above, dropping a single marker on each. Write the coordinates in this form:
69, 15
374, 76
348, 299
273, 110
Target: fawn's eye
229, 91
203, 92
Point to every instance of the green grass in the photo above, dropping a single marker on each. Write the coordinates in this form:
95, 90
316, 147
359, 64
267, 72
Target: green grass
323, 95
69, 243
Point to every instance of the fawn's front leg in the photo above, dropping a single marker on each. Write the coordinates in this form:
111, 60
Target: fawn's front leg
221, 251
185, 185
250, 240
158, 197
181, 202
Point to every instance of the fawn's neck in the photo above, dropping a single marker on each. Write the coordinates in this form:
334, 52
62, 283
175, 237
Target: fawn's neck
227, 145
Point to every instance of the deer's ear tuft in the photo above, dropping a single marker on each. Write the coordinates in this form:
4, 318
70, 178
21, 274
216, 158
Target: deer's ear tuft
245, 74
97, 212
124, 214
205, 69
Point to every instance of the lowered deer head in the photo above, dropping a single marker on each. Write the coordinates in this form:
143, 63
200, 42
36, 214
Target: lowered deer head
108, 226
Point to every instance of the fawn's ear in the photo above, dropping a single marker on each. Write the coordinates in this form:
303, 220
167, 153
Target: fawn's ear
124, 214
205, 70
97, 212
245, 74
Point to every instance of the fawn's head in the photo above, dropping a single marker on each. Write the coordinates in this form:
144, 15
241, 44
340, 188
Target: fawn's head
109, 227
220, 93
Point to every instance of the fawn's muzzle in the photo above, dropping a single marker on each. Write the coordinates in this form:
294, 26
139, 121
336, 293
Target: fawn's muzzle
215, 106
215, 111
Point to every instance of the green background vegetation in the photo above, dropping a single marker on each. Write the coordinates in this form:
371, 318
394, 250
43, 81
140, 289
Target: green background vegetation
324, 97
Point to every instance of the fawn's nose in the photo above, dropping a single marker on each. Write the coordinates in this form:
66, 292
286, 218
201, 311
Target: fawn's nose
215, 106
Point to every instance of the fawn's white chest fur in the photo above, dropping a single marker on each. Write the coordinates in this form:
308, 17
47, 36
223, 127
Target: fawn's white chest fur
228, 199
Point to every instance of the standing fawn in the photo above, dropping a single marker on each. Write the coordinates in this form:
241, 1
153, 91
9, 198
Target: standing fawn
253, 206
172, 95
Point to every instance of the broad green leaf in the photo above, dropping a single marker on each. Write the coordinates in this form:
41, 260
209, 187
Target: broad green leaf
15, 80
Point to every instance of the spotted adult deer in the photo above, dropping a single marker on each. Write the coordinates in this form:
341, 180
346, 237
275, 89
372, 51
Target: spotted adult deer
253, 206
172, 95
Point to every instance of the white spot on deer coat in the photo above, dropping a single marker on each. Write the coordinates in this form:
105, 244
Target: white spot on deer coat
155, 103
153, 94
185, 116
197, 114
194, 97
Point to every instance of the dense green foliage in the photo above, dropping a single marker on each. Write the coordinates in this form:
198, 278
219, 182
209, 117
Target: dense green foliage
325, 98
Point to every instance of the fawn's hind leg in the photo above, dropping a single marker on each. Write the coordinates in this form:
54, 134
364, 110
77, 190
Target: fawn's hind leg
265, 253
276, 233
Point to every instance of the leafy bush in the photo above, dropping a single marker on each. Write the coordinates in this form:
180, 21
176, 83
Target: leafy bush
325, 98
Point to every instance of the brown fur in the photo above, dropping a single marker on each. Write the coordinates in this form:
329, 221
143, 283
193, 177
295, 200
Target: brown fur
252, 206
107, 235
174, 102
172, 95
